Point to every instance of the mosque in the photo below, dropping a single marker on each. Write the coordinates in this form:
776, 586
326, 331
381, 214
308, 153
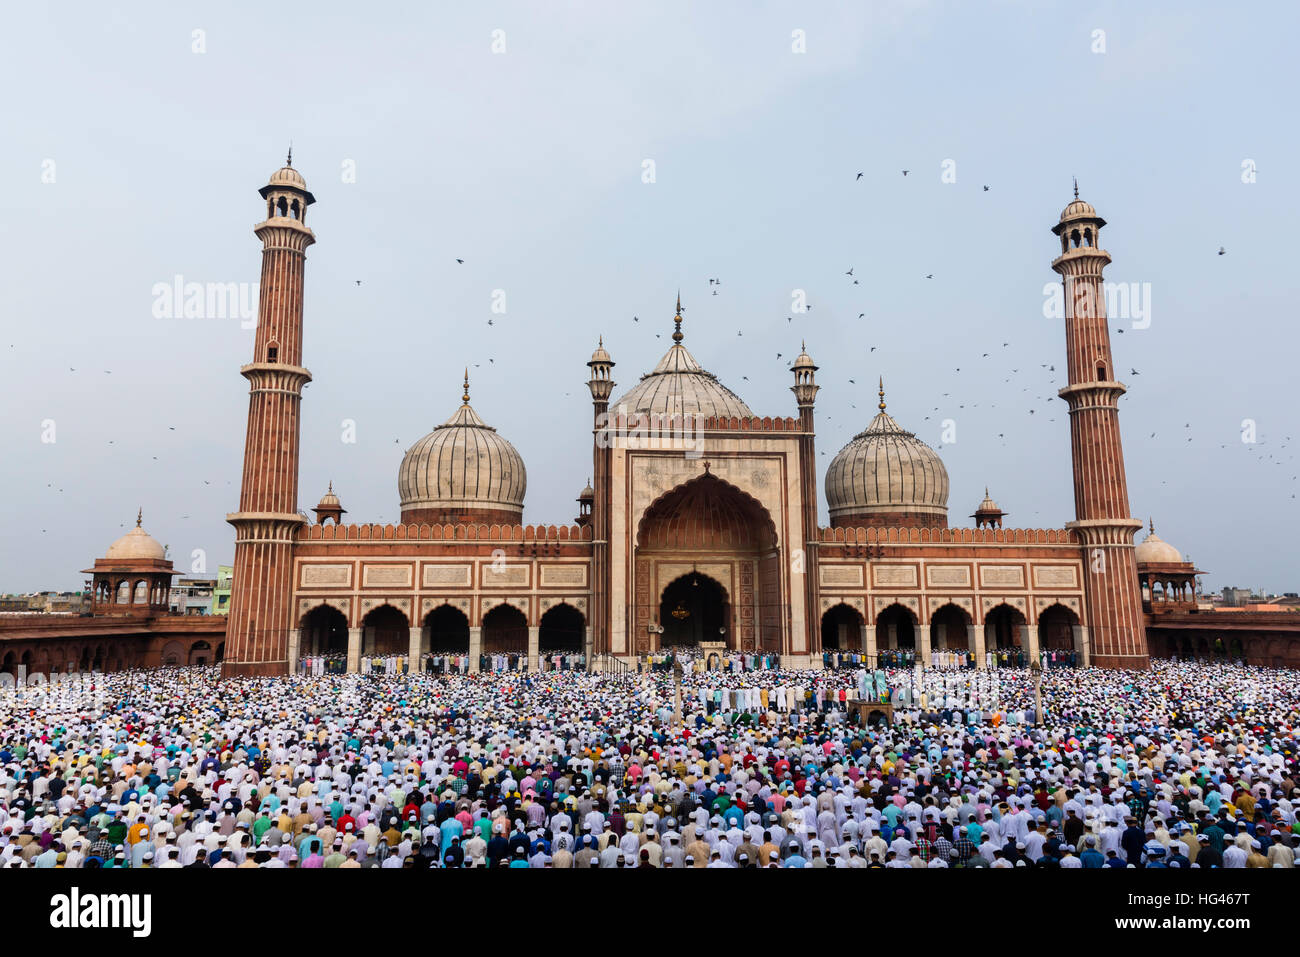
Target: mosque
699, 525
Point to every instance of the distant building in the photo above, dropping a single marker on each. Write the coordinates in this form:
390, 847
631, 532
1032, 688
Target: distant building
47, 603
1236, 596
192, 596
221, 593
62, 603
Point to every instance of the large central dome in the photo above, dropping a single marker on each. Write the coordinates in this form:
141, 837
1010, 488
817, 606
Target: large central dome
886, 476
678, 385
462, 473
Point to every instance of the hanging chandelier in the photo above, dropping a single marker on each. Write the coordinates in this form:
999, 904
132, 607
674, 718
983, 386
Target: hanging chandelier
681, 612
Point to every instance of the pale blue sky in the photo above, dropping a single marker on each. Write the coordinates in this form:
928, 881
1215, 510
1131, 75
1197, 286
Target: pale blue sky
527, 165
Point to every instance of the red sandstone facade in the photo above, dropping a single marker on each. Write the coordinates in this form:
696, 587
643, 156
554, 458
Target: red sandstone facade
739, 520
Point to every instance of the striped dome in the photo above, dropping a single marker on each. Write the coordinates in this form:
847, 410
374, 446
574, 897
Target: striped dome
886, 470
677, 385
288, 176
463, 464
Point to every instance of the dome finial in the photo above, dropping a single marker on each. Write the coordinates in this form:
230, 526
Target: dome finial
465, 398
882, 393
139, 516
289, 160
1076, 187
1151, 526
330, 491
677, 319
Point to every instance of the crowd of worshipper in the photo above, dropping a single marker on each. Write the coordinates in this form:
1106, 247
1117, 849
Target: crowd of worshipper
1185, 765
438, 663
951, 659
694, 658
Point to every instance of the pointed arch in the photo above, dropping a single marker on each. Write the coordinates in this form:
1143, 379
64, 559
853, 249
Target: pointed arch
385, 630
694, 608
897, 627
706, 512
446, 630
842, 628
950, 628
323, 631
562, 629
505, 631
1058, 629
1004, 627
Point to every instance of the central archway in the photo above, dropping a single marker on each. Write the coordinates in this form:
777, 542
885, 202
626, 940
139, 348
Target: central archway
692, 609
728, 539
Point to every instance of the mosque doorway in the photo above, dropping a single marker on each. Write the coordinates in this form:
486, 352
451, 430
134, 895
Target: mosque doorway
694, 608
1003, 627
385, 631
707, 521
948, 629
505, 631
324, 632
896, 629
448, 631
1056, 629
842, 629
561, 631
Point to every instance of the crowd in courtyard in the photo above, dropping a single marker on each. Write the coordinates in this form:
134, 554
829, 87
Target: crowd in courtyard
1190, 764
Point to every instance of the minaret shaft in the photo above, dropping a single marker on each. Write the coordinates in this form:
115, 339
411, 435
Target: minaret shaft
267, 523
1117, 630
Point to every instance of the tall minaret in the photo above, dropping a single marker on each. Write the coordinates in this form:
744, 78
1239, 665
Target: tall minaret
601, 385
257, 633
1117, 633
805, 391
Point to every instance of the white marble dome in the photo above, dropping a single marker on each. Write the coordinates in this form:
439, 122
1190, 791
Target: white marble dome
136, 544
677, 385
463, 464
1153, 550
885, 470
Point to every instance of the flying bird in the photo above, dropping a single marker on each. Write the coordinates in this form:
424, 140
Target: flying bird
461, 261
906, 171
859, 176
1222, 251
